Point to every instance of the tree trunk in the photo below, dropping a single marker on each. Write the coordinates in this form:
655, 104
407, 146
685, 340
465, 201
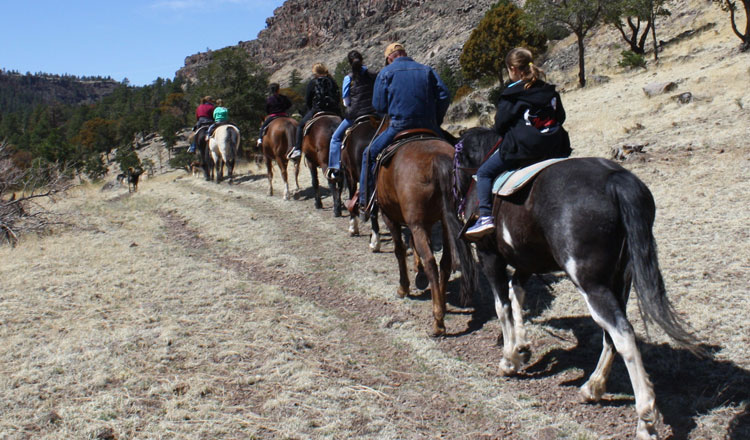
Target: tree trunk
581, 64
653, 34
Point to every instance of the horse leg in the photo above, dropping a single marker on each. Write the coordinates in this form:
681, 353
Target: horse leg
316, 185
400, 251
336, 196
375, 230
230, 170
494, 269
420, 279
285, 177
594, 388
421, 239
608, 313
296, 174
446, 262
269, 174
353, 219
517, 295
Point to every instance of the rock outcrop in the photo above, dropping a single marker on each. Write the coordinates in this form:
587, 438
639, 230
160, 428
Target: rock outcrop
302, 32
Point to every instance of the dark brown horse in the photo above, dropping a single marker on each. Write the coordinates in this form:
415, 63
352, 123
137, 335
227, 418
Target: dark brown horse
414, 189
358, 138
315, 147
277, 142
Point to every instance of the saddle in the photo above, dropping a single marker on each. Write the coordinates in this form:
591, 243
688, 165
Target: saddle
511, 181
314, 119
219, 124
373, 120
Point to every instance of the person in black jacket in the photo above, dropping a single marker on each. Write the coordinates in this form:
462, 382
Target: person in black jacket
322, 94
276, 106
356, 92
529, 116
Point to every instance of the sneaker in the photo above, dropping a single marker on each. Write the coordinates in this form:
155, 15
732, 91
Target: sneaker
191, 149
260, 142
294, 154
485, 225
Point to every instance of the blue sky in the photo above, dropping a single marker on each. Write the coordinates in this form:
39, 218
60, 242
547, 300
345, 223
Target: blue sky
138, 39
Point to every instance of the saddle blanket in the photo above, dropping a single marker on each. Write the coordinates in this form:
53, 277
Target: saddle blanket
511, 181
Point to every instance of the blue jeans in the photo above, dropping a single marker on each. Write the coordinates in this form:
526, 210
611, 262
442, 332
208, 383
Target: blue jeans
334, 151
369, 156
486, 175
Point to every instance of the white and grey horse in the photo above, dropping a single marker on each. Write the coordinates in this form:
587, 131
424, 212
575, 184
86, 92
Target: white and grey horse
224, 144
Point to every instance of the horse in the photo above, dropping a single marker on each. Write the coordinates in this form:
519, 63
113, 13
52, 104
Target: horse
592, 219
277, 142
414, 189
315, 147
134, 174
357, 139
223, 144
204, 153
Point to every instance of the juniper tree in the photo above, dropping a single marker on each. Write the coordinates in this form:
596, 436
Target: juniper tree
578, 16
501, 29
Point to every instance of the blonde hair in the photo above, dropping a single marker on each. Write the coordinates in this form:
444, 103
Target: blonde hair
320, 69
522, 59
220, 102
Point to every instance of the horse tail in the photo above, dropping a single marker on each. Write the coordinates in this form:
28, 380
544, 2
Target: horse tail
460, 249
637, 213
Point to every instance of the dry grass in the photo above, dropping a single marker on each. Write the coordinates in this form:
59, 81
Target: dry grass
196, 310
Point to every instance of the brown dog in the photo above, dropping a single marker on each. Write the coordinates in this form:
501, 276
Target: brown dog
195, 167
133, 176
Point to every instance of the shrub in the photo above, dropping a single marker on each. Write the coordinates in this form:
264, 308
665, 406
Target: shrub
462, 91
631, 60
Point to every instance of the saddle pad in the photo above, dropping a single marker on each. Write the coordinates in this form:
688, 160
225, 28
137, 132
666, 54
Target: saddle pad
511, 181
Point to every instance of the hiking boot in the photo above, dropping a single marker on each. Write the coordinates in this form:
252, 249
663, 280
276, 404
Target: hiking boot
294, 155
485, 225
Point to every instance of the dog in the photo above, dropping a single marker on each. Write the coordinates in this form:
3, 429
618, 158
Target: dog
195, 167
121, 178
133, 176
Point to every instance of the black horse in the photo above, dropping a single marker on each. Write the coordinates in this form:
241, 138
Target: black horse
593, 219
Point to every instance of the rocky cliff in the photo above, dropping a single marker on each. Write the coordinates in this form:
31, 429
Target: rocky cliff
21, 91
302, 32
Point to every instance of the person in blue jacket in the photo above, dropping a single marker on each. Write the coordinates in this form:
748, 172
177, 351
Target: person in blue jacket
529, 117
413, 96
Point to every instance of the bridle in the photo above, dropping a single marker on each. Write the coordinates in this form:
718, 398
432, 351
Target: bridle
457, 194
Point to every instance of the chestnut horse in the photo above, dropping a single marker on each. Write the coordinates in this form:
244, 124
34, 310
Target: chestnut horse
359, 137
592, 219
315, 147
414, 189
277, 142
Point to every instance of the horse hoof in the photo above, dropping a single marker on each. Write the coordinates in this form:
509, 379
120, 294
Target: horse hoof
507, 368
421, 281
402, 292
438, 332
525, 352
591, 393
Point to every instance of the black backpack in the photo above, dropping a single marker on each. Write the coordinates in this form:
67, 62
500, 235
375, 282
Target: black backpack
324, 94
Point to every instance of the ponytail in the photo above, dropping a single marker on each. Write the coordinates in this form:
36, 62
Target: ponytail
521, 58
355, 60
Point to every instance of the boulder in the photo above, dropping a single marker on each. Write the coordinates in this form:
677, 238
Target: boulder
654, 89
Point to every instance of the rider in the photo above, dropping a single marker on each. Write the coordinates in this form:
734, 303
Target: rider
321, 94
529, 116
221, 114
276, 106
204, 115
413, 96
357, 96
